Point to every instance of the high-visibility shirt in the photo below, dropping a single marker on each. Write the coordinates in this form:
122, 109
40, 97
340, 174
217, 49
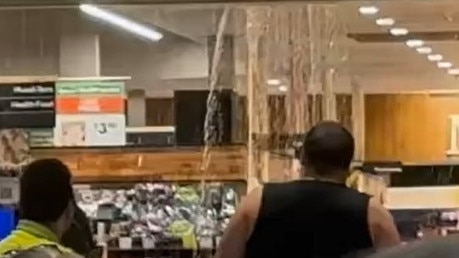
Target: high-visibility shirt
28, 235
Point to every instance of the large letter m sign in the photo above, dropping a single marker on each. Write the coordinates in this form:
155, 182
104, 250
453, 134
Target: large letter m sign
453, 136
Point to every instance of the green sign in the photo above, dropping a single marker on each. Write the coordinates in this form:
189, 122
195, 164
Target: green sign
90, 88
40, 137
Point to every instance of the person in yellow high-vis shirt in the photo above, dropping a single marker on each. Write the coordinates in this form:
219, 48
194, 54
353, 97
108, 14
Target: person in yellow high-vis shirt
45, 208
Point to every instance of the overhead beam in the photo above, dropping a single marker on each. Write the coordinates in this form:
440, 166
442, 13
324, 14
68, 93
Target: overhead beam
389, 38
60, 3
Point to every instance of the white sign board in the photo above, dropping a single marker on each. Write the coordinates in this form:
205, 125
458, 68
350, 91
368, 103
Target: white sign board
453, 136
90, 130
9, 190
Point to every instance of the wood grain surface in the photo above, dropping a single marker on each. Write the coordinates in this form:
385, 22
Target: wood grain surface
105, 165
408, 127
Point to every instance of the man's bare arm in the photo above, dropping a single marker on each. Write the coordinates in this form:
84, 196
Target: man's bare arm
240, 227
382, 227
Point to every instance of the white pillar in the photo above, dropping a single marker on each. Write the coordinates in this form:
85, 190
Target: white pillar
79, 56
136, 108
329, 97
358, 120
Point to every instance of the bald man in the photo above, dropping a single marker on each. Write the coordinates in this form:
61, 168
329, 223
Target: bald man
316, 216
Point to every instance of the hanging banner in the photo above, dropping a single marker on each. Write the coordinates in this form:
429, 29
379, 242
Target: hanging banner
90, 113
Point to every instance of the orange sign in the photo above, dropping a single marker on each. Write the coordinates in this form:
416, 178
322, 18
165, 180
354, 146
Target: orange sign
82, 105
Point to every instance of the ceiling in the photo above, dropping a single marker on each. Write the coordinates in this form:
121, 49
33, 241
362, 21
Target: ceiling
137, 2
383, 64
378, 66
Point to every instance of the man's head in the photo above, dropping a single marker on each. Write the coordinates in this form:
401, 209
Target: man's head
328, 150
46, 194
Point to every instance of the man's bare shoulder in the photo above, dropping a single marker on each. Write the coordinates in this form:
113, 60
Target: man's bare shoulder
382, 226
250, 204
377, 211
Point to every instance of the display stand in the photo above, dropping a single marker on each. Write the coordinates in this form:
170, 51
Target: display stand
137, 172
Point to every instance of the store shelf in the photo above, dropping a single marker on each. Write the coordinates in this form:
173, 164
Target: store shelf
150, 164
168, 252
160, 178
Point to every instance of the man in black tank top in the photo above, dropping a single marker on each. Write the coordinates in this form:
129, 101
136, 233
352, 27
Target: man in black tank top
315, 217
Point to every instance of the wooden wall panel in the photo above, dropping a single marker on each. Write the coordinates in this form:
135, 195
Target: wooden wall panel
278, 113
408, 127
241, 121
159, 112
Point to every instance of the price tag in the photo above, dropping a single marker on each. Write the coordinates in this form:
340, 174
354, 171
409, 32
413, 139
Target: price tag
90, 130
9, 190
105, 128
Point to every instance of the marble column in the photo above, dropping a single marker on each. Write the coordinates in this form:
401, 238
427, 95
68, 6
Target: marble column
79, 56
226, 77
136, 108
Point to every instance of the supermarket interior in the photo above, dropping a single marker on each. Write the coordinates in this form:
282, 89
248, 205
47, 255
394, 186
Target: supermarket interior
169, 112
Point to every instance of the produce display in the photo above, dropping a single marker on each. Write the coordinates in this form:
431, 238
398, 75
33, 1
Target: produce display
425, 223
163, 212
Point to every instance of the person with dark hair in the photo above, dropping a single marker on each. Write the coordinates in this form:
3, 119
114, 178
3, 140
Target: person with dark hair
45, 208
317, 216
79, 236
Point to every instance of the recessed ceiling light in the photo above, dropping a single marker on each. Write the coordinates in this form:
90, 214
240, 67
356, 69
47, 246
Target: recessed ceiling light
454, 71
386, 21
435, 57
368, 10
274, 82
399, 31
283, 88
424, 50
444, 65
414, 43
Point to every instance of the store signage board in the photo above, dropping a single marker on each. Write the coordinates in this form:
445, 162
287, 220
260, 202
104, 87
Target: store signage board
78, 88
9, 190
90, 130
453, 150
27, 105
40, 137
90, 113
90, 104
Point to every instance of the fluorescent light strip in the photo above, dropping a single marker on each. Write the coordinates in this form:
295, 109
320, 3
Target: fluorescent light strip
121, 22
